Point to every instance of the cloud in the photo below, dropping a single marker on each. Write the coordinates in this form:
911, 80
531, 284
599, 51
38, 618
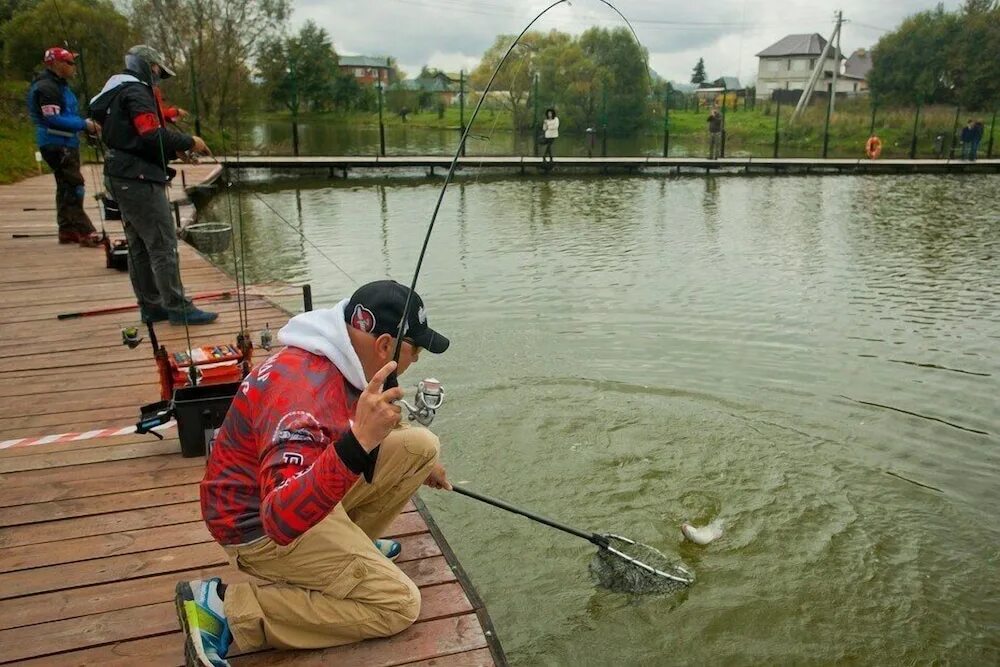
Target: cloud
452, 34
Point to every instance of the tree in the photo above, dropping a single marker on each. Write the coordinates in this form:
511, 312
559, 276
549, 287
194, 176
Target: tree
514, 79
220, 38
94, 28
621, 65
941, 57
299, 69
698, 75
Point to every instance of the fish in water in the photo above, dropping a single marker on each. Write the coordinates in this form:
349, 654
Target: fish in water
704, 535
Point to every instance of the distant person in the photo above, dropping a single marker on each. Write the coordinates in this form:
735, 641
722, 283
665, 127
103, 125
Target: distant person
966, 138
977, 136
136, 174
550, 130
714, 133
54, 111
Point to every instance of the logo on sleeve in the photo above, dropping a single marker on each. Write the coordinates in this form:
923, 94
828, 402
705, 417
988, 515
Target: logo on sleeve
293, 459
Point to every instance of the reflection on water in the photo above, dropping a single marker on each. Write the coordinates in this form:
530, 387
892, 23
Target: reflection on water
812, 359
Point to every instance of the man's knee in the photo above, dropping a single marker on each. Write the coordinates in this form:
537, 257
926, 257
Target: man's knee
421, 442
404, 610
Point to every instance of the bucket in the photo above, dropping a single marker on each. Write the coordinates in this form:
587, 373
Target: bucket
199, 412
210, 237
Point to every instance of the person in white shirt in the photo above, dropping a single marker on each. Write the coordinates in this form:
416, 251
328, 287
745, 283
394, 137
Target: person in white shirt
550, 127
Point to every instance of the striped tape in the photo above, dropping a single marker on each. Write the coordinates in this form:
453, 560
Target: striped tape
73, 437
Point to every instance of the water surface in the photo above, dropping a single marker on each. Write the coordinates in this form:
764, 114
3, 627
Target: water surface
783, 353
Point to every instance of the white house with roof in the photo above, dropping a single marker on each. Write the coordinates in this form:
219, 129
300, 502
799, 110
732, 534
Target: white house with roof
788, 65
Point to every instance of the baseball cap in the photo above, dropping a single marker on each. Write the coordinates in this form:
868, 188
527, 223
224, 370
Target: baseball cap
152, 56
58, 54
377, 308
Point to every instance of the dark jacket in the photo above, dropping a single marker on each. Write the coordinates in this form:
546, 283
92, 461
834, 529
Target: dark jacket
54, 111
966, 134
715, 123
140, 146
977, 132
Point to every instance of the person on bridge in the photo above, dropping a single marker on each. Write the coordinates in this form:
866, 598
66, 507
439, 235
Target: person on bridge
714, 134
550, 130
136, 173
283, 491
53, 109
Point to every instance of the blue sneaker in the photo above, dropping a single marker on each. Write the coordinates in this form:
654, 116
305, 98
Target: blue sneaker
192, 315
203, 620
154, 314
389, 548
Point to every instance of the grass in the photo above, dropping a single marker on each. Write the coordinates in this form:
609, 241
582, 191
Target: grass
17, 136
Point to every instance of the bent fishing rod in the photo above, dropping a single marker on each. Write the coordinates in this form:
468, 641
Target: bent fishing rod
392, 380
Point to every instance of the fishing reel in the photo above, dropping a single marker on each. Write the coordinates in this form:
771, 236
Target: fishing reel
266, 338
429, 399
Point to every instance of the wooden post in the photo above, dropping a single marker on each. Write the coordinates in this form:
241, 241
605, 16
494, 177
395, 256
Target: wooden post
954, 133
534, 117
604, 124
666, 124
461, 107
826, 126
381, 124
913, 140
777, 120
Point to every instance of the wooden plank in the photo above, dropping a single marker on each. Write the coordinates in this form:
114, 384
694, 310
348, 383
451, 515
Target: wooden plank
66, 529
477, 658
70, 445
103, 470
44, 459
104, 504
77, 489
160, 651
60, 605
439, 601
146, 563
421, 641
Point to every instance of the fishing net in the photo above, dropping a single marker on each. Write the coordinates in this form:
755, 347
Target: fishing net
624, 566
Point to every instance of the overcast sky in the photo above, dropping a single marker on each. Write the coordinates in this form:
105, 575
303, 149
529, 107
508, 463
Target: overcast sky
452, 34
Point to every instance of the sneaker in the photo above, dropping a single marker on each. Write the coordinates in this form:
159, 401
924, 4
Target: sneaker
69, 237
389, 548
203, 620
192, 315
154, 314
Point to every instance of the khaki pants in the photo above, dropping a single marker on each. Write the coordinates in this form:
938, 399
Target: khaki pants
331, 586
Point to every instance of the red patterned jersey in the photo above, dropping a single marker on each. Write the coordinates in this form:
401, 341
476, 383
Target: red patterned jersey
285, 455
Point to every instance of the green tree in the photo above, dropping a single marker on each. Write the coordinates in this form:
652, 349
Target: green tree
698, 75
299, 69
220, 38
514, 79
915, 63
621, 65
92, 27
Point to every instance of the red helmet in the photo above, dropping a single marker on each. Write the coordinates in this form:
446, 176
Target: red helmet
57, 54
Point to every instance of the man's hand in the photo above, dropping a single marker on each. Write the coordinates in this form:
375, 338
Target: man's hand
377, 413
438, 479
182, 113
93, 127
200, 147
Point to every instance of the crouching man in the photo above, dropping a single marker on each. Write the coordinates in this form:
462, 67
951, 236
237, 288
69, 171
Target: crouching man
310, 467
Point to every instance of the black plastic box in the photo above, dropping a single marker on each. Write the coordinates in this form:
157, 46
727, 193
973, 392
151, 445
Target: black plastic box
199, 412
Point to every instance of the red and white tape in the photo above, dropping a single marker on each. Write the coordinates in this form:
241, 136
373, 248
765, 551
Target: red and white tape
72, 437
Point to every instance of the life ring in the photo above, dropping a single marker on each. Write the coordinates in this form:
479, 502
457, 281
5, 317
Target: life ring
873, 148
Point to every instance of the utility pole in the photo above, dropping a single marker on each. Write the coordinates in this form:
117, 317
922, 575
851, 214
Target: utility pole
836, 63
817, 71
666, 123
294, 105
381, 124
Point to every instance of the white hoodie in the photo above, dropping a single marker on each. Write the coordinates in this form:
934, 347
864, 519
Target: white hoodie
324, 331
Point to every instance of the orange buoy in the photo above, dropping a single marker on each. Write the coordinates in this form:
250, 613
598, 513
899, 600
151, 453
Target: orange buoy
873, 148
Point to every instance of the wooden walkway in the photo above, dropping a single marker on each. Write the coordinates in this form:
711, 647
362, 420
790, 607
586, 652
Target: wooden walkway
341, 165
94, 533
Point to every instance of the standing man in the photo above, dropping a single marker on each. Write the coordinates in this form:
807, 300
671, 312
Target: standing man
310, 467
714, 133
966, 139
136, 174
977, 136
54, 111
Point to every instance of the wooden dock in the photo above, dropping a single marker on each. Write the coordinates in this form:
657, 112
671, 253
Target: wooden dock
342, 165
95, 532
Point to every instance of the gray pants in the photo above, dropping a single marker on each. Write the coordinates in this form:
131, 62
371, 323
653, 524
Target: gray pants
714, 141
152, 242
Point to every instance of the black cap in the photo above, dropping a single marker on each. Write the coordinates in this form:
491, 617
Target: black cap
377, 308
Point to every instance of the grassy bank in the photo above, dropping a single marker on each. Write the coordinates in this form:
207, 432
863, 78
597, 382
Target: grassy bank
17, 139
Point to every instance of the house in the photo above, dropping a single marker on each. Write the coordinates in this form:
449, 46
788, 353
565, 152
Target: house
434, 83
788, 65
712, 93
368, 70
856, 70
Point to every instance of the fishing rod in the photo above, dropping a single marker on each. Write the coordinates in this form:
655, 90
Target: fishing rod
392, 381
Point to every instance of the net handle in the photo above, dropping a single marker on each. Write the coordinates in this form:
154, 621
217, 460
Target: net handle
593, 538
